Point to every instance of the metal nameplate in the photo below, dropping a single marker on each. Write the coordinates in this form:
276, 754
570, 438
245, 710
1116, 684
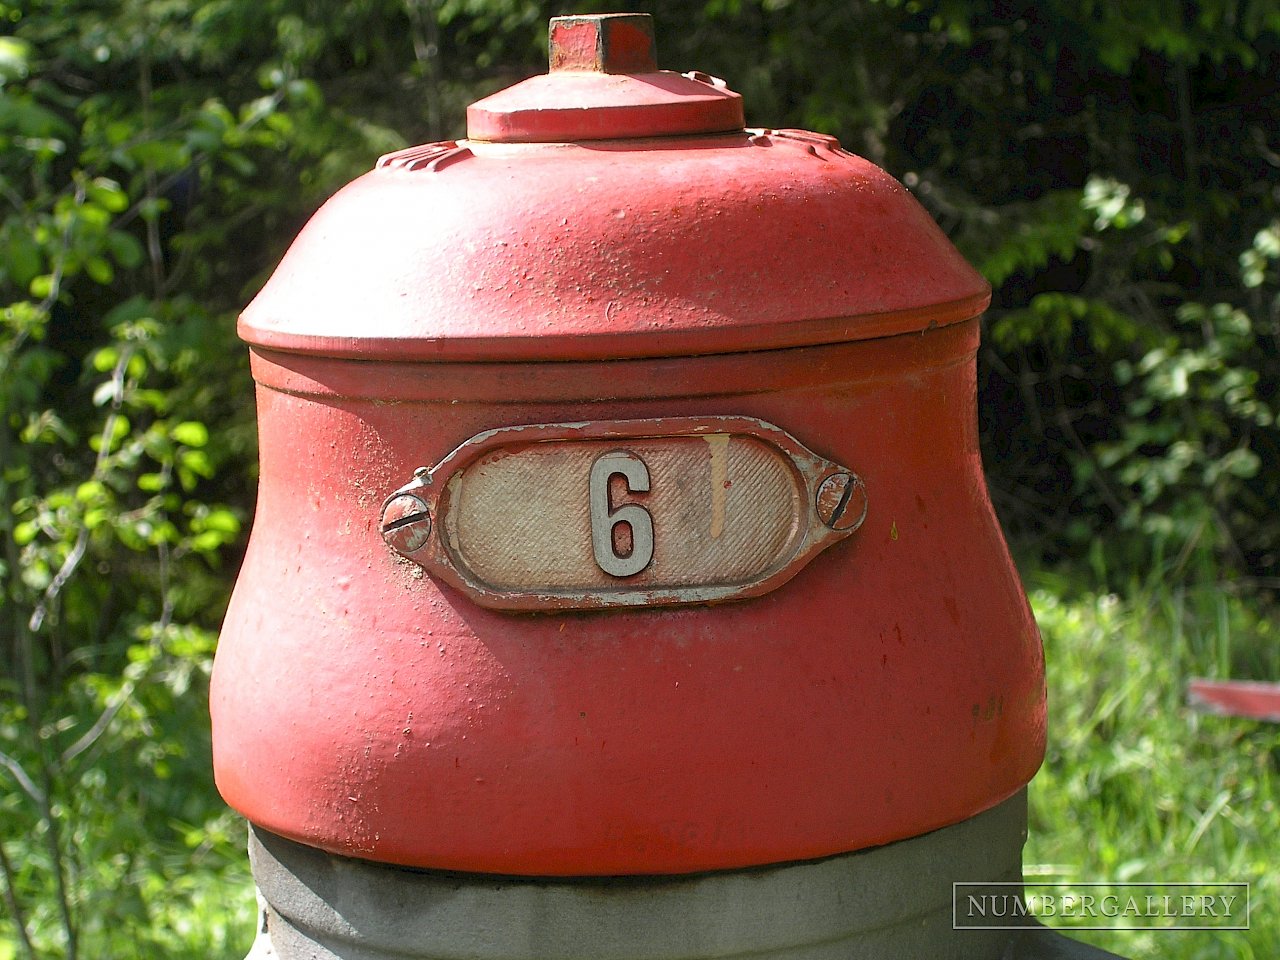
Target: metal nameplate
623, 513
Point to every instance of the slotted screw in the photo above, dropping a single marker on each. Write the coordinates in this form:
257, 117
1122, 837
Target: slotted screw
841, 501
406, 523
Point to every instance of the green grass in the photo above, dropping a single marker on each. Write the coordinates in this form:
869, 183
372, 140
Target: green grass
1138, 787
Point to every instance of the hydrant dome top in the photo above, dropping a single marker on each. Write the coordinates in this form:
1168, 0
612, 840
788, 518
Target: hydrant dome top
605, 210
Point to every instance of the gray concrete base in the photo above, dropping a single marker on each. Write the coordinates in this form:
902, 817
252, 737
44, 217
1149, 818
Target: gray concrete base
890, 902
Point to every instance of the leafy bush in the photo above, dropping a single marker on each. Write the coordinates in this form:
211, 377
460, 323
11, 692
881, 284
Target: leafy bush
144, 189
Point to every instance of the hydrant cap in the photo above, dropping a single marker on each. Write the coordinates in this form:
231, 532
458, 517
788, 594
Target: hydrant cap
604, 84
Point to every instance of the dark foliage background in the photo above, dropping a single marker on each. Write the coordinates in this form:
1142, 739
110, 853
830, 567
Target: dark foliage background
1110, 167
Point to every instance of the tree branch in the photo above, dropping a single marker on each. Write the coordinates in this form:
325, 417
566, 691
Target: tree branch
15, 907
77, 552
24, 779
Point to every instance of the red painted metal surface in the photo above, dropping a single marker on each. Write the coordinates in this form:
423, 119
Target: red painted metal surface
1255, 699
655, 247
893, 686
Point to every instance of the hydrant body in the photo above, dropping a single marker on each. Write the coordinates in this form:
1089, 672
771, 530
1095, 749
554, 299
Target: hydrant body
892, 686
621, 510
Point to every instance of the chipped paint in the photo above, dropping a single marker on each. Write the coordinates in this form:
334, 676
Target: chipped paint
719, 444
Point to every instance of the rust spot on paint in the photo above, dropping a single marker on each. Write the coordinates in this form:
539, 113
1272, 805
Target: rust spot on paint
993, 708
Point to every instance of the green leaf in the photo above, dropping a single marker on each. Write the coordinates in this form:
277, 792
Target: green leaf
42, 286
163, 156
125, 248
104, 359
99, 270
90, 490
208, 541
29, 121
107, 194
220, 519
24, 258
14, 57
197, 462
192, 433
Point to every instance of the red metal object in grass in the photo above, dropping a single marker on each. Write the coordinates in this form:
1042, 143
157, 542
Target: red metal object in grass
1254, 699
771, 347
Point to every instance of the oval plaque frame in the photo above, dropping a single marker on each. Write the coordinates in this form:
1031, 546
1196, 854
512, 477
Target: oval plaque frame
522, 518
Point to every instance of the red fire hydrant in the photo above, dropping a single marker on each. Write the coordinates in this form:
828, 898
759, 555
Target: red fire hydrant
621, 516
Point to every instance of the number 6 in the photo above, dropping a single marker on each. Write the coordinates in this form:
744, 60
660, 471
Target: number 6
633, 470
